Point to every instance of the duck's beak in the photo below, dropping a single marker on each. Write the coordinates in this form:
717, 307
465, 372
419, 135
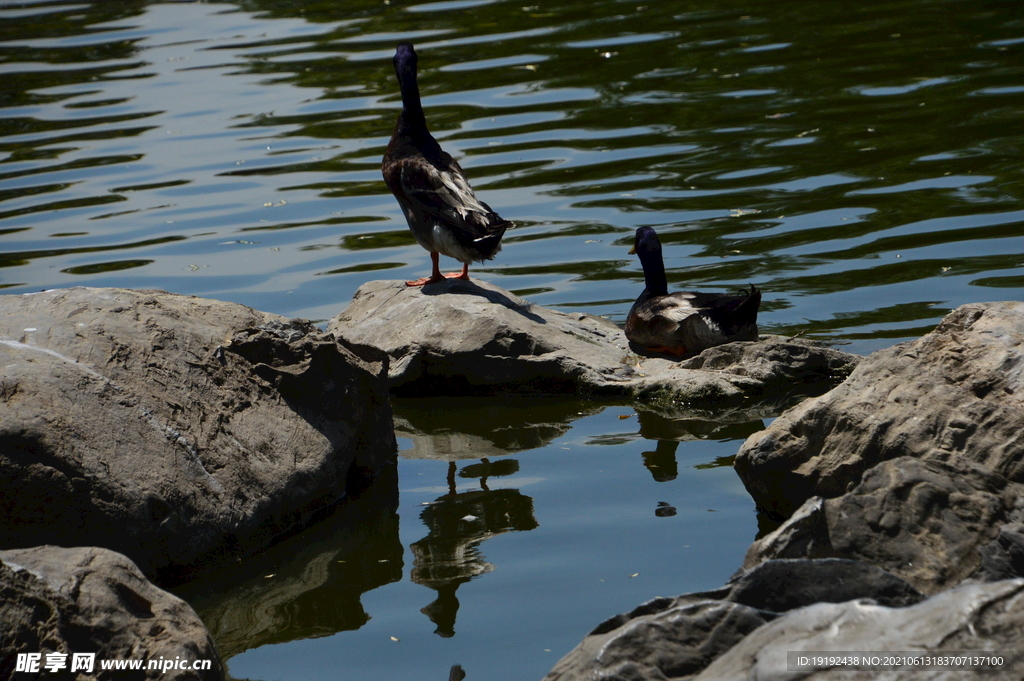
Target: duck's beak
632, 251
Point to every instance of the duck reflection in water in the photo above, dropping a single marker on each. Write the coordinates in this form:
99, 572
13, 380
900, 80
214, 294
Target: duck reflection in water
449, 555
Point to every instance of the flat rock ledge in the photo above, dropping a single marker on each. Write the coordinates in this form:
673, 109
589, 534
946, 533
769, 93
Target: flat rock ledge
457, 337
914, 464
177, 430
91, 600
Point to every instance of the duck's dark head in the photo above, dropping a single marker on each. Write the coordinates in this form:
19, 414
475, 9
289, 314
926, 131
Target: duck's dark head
646, 242
648, 248
412, 120
405, 59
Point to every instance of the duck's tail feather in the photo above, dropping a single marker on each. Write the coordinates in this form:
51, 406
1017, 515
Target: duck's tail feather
735, 314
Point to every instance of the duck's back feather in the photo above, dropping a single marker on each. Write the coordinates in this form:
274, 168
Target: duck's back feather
442, 211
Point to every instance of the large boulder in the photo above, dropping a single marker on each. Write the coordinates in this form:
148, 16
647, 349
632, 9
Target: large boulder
177, 430
674, 638
950, 396
470, 337
926, 521
94, 601
914, 464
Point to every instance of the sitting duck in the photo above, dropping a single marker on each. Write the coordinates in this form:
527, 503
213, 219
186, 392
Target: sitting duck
443, 213
685, 323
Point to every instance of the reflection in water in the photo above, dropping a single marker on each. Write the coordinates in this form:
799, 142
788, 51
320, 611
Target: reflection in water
669, 432
309, 585
869, 189
665, 510
655, 426
468, 427
662, 461
458, 522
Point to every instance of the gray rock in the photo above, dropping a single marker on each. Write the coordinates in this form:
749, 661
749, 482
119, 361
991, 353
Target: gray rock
91, 600
783, 585
922, 520
672, 638
459, 337
1003, 558
176, 430
949, 396
913, 464
977, 617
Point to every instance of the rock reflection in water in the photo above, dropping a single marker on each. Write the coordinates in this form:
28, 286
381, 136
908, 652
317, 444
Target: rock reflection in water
309, 585
668, 432
470, 428
449, 555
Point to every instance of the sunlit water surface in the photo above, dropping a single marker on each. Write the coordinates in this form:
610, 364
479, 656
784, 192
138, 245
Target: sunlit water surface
861, 165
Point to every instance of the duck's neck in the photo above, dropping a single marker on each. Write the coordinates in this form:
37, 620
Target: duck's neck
411, 121
654, 273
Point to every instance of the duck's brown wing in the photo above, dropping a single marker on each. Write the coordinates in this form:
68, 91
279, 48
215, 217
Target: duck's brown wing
656, 320
442, 192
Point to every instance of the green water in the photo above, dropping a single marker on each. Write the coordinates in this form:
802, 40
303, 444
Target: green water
861, 164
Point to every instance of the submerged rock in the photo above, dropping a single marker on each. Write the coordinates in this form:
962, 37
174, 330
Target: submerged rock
177, 430
470, 337
91, 600
913, 464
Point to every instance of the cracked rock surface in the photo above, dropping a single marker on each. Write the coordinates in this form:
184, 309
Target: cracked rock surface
914, 464
177, 430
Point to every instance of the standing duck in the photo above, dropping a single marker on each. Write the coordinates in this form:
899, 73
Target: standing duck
442, 211
685, 323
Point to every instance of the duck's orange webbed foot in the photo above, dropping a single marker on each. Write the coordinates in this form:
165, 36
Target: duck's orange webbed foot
435, 273
422, 281
464, 274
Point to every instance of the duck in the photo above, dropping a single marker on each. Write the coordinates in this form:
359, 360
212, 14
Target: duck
444, 215
685, 322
